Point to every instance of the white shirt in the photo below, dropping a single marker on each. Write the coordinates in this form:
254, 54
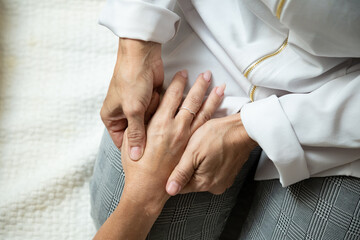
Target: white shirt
297, 60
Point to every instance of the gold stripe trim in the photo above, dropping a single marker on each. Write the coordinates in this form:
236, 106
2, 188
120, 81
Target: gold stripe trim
252, 66
252, 92
279, 8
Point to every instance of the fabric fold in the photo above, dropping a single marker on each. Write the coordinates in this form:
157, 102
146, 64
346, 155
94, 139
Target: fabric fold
139, 20
267, 124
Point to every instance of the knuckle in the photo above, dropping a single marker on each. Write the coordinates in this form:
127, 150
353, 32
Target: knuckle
134, 110
195, 100
157, 63
215, 183
173, 92
104, 113
105, 109
218, 191
161, 121
182, 176
205, 116
181, 128
204, 185
147, 74
179, 134
135, 135
215, 192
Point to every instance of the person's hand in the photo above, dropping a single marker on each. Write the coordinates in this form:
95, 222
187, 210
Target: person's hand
144, 192
167, 135
133, 93
213, 157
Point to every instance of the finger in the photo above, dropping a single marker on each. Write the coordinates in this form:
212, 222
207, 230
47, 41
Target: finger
209, 107
136, 136
124, 145
200, 182
154, 102
117, 136
173, 95
116, 129
115, 122
190, 187
194, 99
181, 175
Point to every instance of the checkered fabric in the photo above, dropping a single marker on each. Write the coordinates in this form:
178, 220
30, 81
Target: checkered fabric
187, 216
317, 208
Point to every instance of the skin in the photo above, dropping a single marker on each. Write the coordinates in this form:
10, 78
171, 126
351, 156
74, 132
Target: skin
168, 133
213, 157
182, 154
133, 95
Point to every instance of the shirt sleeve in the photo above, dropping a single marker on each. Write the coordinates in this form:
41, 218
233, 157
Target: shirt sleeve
305, 134
147, 20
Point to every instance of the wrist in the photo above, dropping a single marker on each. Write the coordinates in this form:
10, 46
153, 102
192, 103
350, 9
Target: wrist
248, 141
242, 135
149, 198
138, 49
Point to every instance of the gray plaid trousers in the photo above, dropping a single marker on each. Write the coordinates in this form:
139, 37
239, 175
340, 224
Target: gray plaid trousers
185, 216
319, 208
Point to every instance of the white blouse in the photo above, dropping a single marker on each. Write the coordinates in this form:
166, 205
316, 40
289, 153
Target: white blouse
296, 65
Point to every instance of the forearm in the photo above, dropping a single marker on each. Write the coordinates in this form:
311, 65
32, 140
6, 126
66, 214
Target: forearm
138, 50
132, 219
144, 193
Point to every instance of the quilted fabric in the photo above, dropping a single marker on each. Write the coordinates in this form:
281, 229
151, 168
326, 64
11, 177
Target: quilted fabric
55, 66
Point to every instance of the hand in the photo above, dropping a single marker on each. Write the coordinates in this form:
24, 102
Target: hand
167, 135
132, 96
213, 157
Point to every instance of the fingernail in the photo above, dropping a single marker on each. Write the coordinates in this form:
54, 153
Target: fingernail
184, 73
173, 188
220, 90
207, 76
135, 153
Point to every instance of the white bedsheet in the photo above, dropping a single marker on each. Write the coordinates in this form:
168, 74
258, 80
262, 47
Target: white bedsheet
55, 66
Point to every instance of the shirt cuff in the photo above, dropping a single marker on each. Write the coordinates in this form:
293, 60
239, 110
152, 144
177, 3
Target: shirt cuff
267, 124
139, 20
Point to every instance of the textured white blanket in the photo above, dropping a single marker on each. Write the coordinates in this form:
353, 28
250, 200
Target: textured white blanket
55, 66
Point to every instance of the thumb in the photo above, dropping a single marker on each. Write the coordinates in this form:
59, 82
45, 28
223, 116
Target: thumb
181, 175
136, 137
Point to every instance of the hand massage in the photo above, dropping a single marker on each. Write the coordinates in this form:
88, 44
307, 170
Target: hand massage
210, 97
